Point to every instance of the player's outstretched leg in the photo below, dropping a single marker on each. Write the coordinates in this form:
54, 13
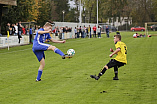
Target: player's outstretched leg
95, 77
56, 50
66, 56
100, 74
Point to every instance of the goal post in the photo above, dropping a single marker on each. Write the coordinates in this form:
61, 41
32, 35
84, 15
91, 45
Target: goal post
147, 25
146, 30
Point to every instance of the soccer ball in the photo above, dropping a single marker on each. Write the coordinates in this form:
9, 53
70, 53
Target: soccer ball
71, 52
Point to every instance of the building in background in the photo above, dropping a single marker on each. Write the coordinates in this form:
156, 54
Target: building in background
3, 9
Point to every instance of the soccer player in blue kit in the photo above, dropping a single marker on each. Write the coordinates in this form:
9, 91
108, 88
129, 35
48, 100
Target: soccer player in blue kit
39, 47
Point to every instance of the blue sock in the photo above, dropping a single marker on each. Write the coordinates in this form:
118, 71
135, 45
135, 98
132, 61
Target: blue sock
56, 50
39, 74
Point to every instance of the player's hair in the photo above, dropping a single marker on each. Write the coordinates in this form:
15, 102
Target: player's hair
118, 36
48, 24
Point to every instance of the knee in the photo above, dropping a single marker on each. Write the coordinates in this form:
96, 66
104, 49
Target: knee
52, 47
43, 65
106, 66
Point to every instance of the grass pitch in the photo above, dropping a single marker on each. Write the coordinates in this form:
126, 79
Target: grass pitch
68, 82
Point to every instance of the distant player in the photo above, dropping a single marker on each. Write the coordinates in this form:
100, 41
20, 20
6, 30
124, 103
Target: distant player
39, 46
120, 60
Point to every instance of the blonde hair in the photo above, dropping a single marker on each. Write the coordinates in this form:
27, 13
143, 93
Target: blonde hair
48, 24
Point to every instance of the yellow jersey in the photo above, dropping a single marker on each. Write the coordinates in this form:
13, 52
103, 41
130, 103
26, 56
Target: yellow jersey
121, 55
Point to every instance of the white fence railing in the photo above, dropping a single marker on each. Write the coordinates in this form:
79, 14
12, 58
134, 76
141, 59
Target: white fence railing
13, 41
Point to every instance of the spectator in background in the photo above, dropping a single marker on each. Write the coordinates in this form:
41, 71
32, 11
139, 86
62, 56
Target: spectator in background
13, 29
19, 28
19, 31
89, 30
63, 32
80, 31
75, 30
23, 30
137, 35
98, 31
94, 30
60, 32
8, 28
26, 30
83, 32
70, 31
107, 31
30, 34
66, 31
16, 28
56, 31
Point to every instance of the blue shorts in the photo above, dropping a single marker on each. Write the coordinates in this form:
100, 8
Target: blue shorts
39, 49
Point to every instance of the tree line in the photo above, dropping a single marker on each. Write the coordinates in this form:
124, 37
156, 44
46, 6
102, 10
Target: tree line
40, 11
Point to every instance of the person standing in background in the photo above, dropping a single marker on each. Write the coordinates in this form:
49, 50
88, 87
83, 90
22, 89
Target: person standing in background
19, 31
107, 31
94, 30
75, 30
13, 29
98, 30
30, 34
16, 28
89, 30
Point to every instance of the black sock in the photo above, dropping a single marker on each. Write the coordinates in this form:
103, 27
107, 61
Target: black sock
102, 72
116, 71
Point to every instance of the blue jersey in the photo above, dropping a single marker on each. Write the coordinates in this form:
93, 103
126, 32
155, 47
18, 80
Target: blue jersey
40, 38
38, 44
30, 31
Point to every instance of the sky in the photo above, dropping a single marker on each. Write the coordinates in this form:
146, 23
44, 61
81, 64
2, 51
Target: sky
72, 4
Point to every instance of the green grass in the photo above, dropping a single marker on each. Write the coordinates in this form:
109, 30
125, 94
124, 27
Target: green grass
68, 82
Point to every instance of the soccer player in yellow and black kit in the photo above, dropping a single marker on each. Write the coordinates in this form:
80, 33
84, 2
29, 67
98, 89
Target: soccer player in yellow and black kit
118, 61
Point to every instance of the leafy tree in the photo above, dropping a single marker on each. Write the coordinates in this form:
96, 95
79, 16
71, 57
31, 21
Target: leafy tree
43, 12
142, 11
21, 12
57, 7
72, 16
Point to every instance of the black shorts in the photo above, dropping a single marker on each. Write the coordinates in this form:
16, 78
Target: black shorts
114, 63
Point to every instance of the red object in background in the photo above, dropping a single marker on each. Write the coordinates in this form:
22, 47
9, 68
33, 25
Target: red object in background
53, 31
135, 36
137, 28
24, 31
94, 28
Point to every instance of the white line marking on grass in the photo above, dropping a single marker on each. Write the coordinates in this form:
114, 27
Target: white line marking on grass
16, 51
80, 40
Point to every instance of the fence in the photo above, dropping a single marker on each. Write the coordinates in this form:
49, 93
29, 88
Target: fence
13, 41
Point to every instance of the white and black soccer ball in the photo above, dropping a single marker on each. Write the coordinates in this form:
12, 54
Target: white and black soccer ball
71, 52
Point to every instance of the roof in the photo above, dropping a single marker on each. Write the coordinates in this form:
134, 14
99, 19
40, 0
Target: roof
8, 2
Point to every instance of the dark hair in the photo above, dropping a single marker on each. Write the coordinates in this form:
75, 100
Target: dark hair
118, 36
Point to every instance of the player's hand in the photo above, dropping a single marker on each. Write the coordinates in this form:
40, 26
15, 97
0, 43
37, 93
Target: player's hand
63, 41
110, 55
49, 31
111, 50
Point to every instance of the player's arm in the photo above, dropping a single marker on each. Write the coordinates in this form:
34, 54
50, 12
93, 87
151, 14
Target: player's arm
115, 52
57, 41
